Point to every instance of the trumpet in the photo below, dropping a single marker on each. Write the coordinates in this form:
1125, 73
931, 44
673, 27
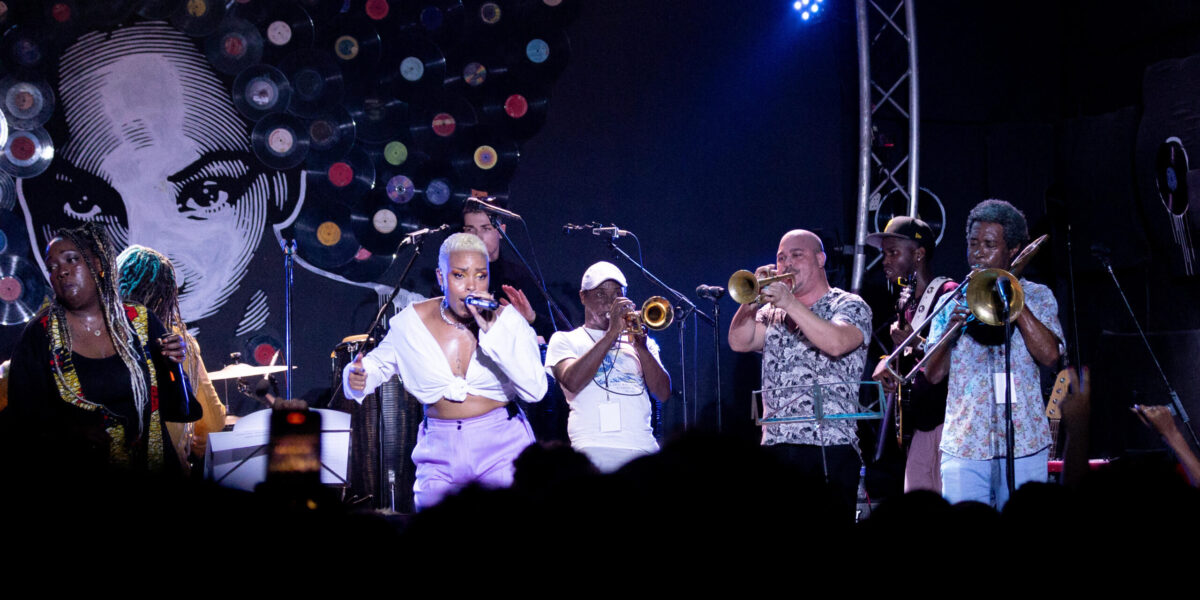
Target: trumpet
656, 314
744, 288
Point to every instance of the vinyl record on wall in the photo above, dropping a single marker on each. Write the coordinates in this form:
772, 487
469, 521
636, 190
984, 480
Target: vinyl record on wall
316, 82
26, 48
261, 90
486, 160
22, 290
416, 67
539, 54
345, 180
8, 192
27, 153
324, 235
286, 29
236, 45
280, 141
517, 112
27, 102
199, 18
443, 123
355, 43
378, 115
331, 134
365, 266
442, 20
381, 224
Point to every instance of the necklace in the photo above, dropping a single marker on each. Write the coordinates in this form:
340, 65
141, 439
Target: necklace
95, 332
442, 311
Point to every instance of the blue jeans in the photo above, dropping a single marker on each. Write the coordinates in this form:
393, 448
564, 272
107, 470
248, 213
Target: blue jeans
984, 481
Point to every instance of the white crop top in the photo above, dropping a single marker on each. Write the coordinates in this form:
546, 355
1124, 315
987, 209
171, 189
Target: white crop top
506, 362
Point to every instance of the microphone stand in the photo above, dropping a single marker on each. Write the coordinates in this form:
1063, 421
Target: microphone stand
381, 452
1010, 461
556, 313
1179, 409
684, 308
289, 255
717, 353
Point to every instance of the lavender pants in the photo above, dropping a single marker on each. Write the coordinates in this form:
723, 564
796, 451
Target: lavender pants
451, 453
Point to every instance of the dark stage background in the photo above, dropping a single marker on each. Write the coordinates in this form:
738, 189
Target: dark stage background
710, 129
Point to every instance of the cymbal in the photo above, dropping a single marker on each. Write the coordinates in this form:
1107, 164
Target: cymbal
241, 370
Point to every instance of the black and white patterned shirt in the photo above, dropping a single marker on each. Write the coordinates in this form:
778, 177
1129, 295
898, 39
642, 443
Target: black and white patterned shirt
790, 359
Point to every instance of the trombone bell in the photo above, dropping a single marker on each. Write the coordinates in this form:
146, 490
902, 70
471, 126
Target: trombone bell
986, 304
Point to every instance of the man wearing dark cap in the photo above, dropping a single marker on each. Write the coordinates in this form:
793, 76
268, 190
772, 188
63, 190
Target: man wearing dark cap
907, 244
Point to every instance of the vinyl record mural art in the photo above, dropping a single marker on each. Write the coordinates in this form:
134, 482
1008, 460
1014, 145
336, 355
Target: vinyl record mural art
215, 131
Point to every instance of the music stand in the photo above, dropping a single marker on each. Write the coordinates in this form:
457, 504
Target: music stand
238, 459
871, 411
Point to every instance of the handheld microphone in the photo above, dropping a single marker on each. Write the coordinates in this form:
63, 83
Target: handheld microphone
481, 303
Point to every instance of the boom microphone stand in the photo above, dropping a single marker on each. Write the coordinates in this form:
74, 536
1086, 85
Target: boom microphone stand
684, 308
1179, 409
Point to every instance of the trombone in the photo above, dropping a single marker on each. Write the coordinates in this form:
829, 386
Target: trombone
984, 304
744, 288
656, 315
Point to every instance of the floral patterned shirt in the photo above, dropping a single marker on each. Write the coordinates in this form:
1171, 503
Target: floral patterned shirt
975, 423
790, 359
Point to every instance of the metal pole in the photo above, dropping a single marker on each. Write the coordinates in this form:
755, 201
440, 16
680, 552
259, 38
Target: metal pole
914, 111
864, 144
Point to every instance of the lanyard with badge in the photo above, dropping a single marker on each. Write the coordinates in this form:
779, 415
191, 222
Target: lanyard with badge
610, 410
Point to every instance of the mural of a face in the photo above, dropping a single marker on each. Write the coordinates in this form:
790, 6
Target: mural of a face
156, 151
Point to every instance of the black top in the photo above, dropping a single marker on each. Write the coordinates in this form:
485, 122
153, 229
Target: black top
38, 415
508, 271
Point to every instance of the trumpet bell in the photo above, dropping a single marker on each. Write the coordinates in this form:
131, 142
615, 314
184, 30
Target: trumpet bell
985, 302
744, 287
657, 313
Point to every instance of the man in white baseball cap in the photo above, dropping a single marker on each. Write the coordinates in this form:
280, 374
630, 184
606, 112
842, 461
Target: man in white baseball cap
608, 373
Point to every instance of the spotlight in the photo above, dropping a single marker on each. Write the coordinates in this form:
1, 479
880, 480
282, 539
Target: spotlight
804, 15
796, 5
814, 8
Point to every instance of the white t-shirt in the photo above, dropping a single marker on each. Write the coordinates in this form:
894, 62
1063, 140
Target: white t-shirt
613, 411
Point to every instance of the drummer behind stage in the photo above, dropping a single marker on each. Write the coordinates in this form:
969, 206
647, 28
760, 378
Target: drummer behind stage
465, 365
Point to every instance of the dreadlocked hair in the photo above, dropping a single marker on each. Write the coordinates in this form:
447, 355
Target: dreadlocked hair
93, 241
148, 277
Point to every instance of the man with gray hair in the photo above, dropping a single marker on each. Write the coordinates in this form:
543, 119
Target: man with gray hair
974, 439
465, 362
